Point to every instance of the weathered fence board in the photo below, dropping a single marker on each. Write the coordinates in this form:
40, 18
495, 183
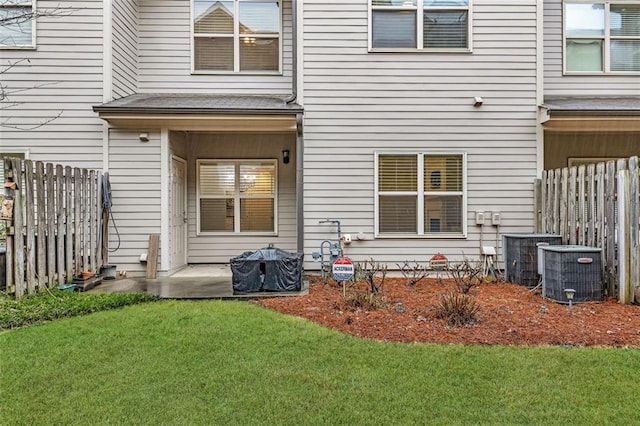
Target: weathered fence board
30, 225
55, 226
634, 227
598, 205
41, 214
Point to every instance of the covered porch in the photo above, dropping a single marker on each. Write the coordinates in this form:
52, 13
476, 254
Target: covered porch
230, 172
581, 130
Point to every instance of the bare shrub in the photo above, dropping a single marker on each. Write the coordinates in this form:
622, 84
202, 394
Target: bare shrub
413, 273
374, 273
458, 309
466, 274
359, 297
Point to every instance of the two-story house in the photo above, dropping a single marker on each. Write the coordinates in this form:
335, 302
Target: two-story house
229, 125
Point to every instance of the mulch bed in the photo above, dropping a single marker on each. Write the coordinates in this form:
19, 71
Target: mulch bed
509, 314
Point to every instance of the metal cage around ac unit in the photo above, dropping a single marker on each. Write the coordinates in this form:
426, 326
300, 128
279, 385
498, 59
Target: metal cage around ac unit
521, 256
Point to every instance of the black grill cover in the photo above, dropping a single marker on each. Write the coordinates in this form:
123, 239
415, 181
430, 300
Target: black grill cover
267, 269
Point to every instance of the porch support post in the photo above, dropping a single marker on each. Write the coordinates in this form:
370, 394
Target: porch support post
299, 184
165, 162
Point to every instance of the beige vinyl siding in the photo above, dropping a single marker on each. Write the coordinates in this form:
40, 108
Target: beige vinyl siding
556, 84
125, 47
220, 248
62, 76
165, 56
134, 171
359, 103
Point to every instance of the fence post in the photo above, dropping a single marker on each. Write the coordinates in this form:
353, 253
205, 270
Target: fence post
8, 170
624, 292
18, 237
634, 227
537, 196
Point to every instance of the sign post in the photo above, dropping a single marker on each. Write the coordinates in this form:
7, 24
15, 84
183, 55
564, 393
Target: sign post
343, 270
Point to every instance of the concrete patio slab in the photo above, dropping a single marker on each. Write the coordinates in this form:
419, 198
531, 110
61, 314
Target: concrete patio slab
196, 287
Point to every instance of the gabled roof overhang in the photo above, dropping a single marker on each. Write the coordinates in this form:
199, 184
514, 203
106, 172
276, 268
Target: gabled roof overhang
581, 114
201, 112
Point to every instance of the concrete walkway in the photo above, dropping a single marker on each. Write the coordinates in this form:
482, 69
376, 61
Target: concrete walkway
196, 287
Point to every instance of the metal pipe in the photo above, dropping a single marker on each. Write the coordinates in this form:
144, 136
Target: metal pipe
294, 53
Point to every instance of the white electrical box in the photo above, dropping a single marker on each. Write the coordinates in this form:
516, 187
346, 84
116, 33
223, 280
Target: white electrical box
488, 250
479, 218
496, 218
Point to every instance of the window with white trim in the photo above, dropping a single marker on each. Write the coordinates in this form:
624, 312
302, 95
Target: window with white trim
237, 36
438, 25
601, 36
17, 23
237, 196
420, 194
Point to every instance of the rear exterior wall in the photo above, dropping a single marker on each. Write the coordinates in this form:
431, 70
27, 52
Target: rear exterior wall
359, 102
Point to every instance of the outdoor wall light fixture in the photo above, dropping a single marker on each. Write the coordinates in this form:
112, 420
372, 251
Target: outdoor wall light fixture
477, 101
144, 137
285, 156
569, 292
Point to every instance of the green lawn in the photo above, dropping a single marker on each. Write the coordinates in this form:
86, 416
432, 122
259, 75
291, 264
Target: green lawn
235, 363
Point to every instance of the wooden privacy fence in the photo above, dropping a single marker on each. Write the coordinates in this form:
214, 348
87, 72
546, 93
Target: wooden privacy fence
54, 224
598, 206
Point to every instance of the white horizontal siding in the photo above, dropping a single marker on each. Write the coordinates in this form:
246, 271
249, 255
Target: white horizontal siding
125, 47
357, 103
134, 173
61, 78
556, 84
165, 57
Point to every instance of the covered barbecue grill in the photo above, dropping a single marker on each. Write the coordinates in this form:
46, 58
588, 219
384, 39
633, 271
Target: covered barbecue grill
267, 269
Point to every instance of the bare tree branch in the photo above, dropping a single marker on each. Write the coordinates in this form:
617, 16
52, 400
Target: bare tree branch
13, 19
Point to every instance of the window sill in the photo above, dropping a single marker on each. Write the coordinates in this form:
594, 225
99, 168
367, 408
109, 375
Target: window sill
236, 234
442, 236
238, 74
600, 73
17, 47
412, 50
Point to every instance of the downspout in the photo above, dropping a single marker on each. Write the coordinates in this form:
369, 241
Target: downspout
539, 87
299, 130
294, 53
299, 184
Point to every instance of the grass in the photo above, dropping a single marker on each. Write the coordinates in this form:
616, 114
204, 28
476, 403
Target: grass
236, 363
56, 304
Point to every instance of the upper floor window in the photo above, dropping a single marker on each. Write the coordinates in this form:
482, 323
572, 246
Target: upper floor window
438, 25
237, 35
17, 23
420, 194
602, 36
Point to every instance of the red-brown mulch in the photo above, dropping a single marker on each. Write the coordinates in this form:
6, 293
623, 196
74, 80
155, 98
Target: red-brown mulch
509, 314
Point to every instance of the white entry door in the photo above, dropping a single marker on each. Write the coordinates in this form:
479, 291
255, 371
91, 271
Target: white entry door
178, 213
